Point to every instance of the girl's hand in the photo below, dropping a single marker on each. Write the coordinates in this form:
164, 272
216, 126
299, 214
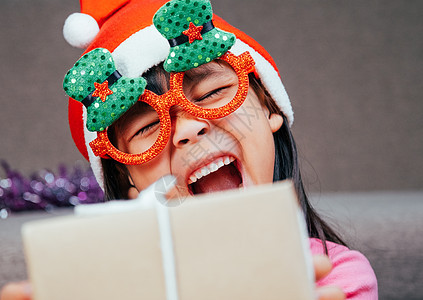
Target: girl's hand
16, 291
322, 267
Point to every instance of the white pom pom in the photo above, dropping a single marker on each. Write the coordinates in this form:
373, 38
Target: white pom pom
80, 30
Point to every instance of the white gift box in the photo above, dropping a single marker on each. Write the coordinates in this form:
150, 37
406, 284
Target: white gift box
241, 244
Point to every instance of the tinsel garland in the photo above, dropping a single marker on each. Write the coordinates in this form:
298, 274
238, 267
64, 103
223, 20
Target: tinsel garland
45, 190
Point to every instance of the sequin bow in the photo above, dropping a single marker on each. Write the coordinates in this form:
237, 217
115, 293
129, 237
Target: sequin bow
95, 82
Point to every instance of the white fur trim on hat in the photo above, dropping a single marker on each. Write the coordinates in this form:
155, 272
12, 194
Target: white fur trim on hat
141, 51
80, 30
269, 77
95, 161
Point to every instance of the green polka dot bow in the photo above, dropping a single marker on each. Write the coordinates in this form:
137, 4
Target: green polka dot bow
188, 26
95, 82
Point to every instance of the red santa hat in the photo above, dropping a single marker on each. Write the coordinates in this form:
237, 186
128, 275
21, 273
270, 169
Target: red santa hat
125, 28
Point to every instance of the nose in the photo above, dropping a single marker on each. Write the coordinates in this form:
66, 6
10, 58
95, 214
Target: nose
188, 129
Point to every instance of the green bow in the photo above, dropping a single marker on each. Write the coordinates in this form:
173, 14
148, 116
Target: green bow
105, 101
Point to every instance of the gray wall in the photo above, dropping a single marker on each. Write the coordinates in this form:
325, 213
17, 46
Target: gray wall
353, 70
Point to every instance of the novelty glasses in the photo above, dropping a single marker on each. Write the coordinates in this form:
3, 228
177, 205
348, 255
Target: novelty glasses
211, 91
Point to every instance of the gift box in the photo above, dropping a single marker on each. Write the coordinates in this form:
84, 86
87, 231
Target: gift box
241, 244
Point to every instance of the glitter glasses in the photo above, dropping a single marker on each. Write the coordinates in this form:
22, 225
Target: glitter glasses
211, 91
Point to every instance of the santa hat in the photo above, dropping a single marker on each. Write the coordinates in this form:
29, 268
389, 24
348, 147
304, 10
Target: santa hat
125, 28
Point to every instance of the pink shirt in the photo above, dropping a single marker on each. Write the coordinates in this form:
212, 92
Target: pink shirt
351, 271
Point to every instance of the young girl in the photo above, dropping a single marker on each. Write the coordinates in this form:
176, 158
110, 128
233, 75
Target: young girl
212, 112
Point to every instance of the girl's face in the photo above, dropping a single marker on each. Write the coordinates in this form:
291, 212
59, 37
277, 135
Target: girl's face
207, 155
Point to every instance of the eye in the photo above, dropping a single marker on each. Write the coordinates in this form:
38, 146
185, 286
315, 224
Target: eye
218, 94
211, 94
148, 129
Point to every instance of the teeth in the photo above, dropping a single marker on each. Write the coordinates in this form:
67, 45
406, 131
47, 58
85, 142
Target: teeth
192, 179
205, 171
213, 167
210, 168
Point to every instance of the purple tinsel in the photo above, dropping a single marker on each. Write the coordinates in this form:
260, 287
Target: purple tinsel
45, 190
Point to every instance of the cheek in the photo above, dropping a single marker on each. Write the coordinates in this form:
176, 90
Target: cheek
250, 120
250, 126
146, 174
260, 154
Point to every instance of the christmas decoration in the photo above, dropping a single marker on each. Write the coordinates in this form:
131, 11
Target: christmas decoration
46, 190
242, 65
193, 38
80, 30
95, 82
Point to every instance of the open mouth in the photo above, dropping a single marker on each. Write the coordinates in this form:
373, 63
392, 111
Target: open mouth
219, 175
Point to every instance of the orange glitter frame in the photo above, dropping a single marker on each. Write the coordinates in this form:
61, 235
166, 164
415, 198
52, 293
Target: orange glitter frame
242, 64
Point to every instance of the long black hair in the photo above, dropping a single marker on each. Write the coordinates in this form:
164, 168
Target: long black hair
287, 167
117, 178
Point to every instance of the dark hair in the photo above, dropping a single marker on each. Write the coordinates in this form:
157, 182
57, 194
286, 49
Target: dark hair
287, 166
116, 175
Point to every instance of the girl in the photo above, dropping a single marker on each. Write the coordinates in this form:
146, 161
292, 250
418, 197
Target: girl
212, 112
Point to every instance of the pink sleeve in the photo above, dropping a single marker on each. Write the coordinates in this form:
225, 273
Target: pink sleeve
351, 271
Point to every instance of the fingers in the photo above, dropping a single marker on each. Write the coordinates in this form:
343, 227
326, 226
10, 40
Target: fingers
16, 291
322, 266
330, 293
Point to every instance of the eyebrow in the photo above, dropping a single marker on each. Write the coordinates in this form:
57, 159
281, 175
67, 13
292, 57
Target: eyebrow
203, 72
